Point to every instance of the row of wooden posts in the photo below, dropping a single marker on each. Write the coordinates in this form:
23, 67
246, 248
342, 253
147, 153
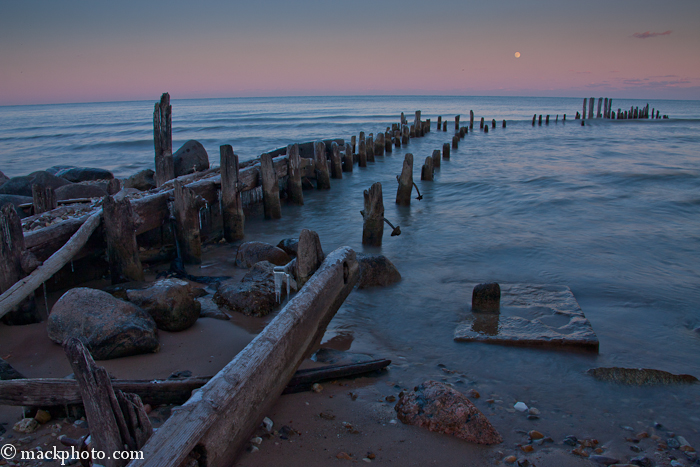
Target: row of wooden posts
605, 110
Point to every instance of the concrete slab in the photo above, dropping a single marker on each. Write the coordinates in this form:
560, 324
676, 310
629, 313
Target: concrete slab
531, 315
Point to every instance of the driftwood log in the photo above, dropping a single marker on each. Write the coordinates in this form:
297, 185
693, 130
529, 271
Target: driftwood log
219, 418
57, 392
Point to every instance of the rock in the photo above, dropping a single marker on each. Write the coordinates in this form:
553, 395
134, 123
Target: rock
639, 376
254, 295
190, 158
527, 448
3, 178
42, 416
26, 425
250, 253
171, 303
142, 180
267, 424
486, 298
570, 441
16, 201
22, 186
635, 448
604, 460
289, 246
210, 310
309, 256
673, 443
534, 434
442, 409
376, 271
109, 327
84, 174
343, 456
57, 168
79, 190
533, 411
510, 460
520, 406
7, 372
642, 461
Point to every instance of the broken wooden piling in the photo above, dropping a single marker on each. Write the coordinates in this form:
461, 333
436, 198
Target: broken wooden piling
455, 141
387, 142
403, 193
456, 122
186, 207
295, 194
373, 216
233, 218
323, 180
436, 158
379, 145
163, 140
446, 151
585, 104
591, 103
336, 163
439, 122
427, 170
362, 153
369, 147
471, 119
120, 233
43, 198
270, 187
347, 158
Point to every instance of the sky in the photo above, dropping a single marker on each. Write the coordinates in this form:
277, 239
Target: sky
97, 51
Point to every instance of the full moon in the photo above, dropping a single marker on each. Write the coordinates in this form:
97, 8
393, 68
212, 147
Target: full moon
517, 54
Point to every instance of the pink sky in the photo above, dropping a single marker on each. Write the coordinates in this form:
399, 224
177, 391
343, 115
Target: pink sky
82, 51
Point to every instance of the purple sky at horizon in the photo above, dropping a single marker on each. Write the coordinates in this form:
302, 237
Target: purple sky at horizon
86, 51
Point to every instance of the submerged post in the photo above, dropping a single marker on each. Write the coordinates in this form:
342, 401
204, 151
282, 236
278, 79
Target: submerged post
455, 141
444, 125
471, 119
163, 140
369, 147
427, 170
439, 122
605, 109
436, 158
600, 104
270, 188
347, 158
379, 145
373, 216
336, 164
387, 142
323, 180
403, 193
231, 205
418, 124
362, 153
294, 186
457, 122
585, 104
120, 233
446, 151
591, 103
186, 210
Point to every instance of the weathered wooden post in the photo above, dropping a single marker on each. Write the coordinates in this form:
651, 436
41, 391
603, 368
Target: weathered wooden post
446, 151
231, 205
436, 158
397, 138
504, 123
379, 145
534, 117
426, 126
610, 111
369, 147
163, 140
347, 158
120, 233
427, 170
11, 251
457, 122
439, 122
309, 256
486, 129
481, 126
471, 119
387, 142
605, 109
493, 123
403, 193
547, 122
405, 135
462, 132
336, 164
186, 207
294, 185
600, 104
418, 124
444, 125
455, 141
539, 121
43, 199
362, 153
585, 104
323, 180
403, 119
373, 216
353, 142
270, 188
591, 103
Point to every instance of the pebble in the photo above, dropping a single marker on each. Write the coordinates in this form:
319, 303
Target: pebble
642, 461
527, 448
635, 448
366, 459
267, 423
642, 435
673, 443
42, 416
605, 460
254, 449
257, 440
473, 393
579, 451
326, 416
533, 417
26, 425
520, 406
533, 411
510, 459
534, 434
683, 441
371, 456
344, 455
317, 388
393, 422
570, 440
390, 398
676, 464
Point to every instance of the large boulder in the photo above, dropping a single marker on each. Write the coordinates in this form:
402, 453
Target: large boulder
254, 295
142, 180
289, 246
376, 271
442, 409
84, 174
171, 303
190, 158
250, 253
3, 178
22, 186
109, 327
16, 201
80, 190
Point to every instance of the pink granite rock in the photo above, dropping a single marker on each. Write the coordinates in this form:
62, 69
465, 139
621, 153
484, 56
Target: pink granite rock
440, 408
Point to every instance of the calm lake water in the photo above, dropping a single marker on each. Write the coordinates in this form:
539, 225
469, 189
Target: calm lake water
611, 209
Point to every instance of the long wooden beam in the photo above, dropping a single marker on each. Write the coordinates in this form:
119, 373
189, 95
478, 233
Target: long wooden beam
220, 417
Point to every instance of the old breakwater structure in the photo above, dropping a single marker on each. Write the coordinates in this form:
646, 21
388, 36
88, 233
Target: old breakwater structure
188, 209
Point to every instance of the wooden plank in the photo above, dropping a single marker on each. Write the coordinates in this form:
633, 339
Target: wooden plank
122, 249
220, 417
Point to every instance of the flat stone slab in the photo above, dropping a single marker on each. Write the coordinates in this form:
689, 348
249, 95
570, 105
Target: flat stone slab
531, 315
